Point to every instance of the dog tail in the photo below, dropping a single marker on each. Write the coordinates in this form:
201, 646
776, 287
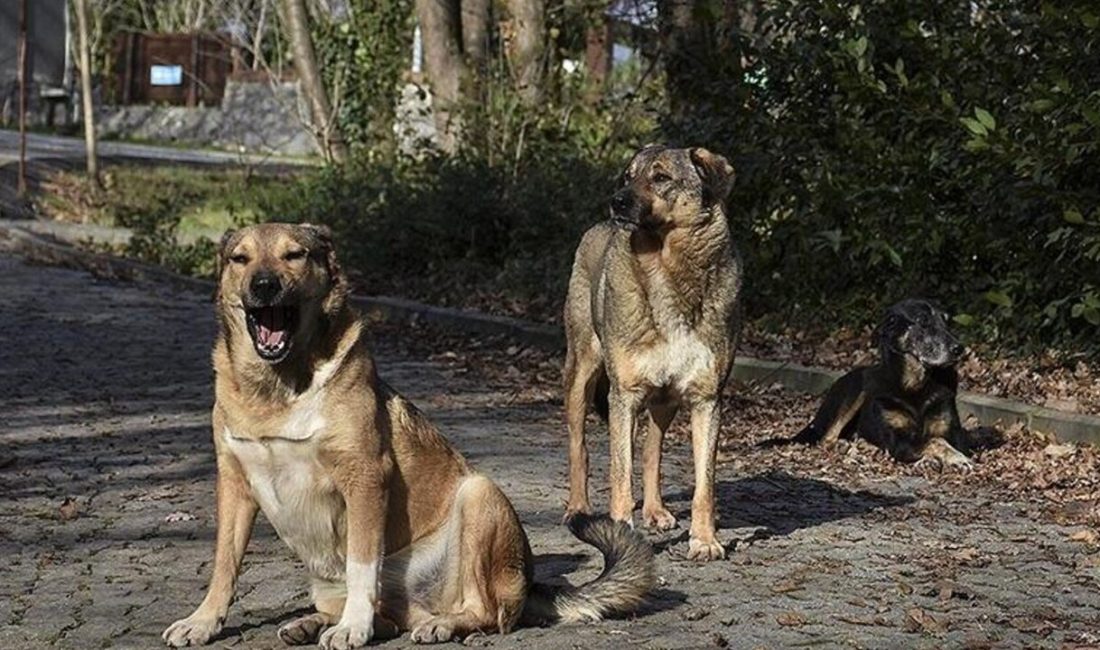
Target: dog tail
810, 435
627, 577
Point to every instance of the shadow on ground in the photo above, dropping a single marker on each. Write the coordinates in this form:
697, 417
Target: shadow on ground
778, 503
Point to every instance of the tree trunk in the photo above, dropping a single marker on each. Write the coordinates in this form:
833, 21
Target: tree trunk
475, 33
698, 51
684, 46
325, 127
598, 56
21, 188
527, 49
86, 97
439, 31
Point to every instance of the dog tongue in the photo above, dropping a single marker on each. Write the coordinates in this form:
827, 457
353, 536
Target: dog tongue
269, 326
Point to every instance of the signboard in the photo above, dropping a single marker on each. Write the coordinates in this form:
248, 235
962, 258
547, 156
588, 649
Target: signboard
166, 75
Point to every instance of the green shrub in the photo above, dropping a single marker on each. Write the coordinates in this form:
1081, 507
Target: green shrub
948, 149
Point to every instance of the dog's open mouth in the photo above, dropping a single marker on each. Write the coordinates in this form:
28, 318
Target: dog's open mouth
272, 328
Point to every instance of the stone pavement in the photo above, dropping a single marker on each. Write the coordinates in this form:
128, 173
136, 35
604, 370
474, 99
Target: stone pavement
107, 511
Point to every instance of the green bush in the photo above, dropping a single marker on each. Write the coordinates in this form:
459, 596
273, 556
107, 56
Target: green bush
493, 225
949, 149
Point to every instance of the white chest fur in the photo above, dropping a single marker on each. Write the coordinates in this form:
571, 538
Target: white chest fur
681, 357
298, 497
678, 361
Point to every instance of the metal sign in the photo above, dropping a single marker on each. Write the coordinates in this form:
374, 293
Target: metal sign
166, 75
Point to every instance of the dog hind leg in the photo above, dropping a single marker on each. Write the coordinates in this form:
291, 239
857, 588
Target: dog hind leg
476, 571
582, 370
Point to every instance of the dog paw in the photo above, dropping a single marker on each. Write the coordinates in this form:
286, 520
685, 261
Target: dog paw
658, 519
345, 636
436, 630
190, 631
701, 551
572, 510
959, 461
303, 631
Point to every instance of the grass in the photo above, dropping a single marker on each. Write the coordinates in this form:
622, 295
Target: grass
175, 212
201, 202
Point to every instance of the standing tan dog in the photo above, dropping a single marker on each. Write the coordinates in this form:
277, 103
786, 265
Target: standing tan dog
395, 530
651, 321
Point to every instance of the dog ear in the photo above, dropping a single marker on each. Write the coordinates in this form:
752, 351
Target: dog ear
327, 251
716, 173
322, 247
224, 245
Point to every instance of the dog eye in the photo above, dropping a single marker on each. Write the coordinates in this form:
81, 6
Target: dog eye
239, 258
661, 177
290, 256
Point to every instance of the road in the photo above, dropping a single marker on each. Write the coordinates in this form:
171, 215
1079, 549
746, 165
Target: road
42, 147
107, 509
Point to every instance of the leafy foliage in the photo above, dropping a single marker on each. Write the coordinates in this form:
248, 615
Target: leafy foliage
946, 149
362, 59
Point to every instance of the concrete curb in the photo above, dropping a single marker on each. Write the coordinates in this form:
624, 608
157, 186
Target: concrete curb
1067, 427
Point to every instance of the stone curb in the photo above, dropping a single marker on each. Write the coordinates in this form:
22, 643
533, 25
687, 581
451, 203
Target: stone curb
1066, 427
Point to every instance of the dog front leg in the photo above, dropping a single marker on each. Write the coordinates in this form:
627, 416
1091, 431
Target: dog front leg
364, 488
236, 512
623, 408
703, 542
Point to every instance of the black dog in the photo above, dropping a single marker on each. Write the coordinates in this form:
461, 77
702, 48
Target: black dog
906, 403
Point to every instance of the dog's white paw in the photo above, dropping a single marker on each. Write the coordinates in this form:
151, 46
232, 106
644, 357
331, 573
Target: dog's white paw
701, 551
193, 630
345, 636
658, 519
959, 461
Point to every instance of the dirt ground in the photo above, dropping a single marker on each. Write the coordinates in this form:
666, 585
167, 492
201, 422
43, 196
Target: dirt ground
107, 512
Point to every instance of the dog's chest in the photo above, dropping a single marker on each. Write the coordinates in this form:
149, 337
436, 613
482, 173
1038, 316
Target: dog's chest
679, 360
298, 497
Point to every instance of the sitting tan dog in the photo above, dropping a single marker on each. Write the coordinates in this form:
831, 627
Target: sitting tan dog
394, 528
651, 322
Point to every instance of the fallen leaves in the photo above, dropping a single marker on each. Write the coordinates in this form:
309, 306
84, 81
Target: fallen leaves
1088, 536
918, 620
68, 510
179, 516
791, 619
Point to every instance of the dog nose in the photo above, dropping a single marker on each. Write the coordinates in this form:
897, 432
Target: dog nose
958, 349
620, 202
265, 286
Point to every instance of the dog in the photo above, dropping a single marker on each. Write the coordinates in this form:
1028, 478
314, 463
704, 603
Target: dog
652, 319
395, 530
905, 404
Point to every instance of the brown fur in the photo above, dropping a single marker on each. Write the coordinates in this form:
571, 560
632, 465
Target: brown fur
902, 404
653, 314
349, 473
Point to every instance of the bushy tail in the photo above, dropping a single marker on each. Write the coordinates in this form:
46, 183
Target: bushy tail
626, 578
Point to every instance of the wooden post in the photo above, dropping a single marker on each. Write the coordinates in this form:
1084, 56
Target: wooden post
128, 70
22, 184
193, 87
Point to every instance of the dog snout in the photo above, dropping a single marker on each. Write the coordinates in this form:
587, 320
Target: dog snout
957, 349
621, 203
265, 287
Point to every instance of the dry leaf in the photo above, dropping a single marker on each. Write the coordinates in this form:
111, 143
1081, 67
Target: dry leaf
1087, 536
68, 509
791, 619
179, 516
918, 620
